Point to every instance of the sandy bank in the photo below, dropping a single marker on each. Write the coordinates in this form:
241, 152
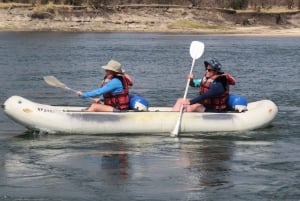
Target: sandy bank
137, 19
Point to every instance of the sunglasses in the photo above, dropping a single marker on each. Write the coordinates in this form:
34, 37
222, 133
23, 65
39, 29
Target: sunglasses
209, 69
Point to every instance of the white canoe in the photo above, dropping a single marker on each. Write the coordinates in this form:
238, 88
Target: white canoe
66, 119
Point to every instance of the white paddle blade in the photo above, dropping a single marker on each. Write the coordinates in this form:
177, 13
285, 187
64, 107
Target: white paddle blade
53, 81
196, 49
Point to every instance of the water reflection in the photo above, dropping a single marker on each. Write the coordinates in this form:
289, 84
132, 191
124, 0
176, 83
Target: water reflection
126, 168
207, 163
115, 164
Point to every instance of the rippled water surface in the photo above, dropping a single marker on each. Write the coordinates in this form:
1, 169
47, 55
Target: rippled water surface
251, 165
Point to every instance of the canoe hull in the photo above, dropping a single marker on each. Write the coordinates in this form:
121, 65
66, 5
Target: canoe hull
66, 119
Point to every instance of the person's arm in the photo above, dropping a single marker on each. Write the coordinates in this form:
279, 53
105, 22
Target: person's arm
111, 86
196, 82
192, 83
216, 89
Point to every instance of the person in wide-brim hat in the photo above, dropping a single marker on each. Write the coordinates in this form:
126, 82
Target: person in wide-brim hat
114, 90
113, 66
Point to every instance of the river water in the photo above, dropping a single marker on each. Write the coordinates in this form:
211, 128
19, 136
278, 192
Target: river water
253, 165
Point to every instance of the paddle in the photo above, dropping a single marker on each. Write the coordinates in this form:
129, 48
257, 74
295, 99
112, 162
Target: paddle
196, 51
53, 81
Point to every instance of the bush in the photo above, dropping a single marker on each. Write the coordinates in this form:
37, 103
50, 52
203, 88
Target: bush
239, 4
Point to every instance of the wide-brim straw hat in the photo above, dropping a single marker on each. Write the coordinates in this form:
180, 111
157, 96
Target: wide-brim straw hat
113, 66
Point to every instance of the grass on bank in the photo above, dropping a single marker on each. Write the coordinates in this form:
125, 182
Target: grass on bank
40, 6
14, 5
185, 24
275, 10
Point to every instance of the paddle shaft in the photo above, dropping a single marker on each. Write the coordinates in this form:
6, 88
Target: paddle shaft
70, 89
53, 81
188, 81
176, 129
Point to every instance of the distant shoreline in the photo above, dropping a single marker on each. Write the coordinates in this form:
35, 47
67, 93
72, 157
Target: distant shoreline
237, 31
149, 20
265, 33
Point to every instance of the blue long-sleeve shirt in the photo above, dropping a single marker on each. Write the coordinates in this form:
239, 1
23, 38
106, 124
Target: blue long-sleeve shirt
114, 86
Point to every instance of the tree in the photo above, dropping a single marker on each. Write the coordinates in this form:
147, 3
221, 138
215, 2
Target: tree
239, 4
290, 4
197, 2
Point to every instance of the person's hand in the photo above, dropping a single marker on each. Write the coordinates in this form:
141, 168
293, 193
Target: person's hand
185, 102
97, 100
79, 93
190, 76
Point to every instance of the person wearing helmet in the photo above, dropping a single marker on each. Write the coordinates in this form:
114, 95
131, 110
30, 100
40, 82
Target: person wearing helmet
213, 90
114, 88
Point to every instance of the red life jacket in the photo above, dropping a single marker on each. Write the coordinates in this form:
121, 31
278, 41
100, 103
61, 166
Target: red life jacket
121, 100
218, 102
